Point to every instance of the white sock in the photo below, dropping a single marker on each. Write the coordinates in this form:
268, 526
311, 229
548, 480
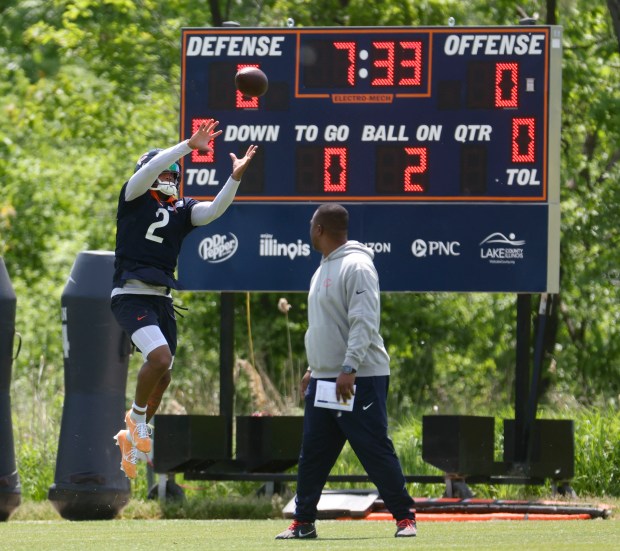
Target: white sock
138, 417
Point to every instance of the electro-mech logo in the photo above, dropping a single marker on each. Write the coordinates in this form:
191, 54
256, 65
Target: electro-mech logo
499, 249
421, 248
218, 248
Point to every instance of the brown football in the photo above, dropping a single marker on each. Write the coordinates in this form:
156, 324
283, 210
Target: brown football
251, 81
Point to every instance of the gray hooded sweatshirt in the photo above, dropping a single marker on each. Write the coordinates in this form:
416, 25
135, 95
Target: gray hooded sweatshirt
344, 309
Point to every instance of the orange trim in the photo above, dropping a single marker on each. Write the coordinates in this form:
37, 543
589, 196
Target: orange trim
463, 517
374, 198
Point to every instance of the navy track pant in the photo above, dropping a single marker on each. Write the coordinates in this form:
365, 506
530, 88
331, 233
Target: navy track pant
366, 429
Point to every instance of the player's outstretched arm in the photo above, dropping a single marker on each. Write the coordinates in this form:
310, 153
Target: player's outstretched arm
207, 211
240, 165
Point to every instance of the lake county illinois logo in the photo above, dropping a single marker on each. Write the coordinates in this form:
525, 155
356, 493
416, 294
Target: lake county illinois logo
497, 248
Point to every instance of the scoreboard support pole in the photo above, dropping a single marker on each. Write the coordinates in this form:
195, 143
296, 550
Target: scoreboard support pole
227, 347
541, 330
522, 371
537, 444
227, 359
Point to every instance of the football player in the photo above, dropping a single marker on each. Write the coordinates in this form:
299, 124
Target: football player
152, 222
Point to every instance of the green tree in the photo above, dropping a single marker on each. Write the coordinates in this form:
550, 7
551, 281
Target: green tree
86, 87
590, 203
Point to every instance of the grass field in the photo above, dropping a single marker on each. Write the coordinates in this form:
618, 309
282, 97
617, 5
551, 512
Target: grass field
258, 535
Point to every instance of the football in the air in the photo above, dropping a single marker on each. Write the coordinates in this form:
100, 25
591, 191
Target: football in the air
251, 81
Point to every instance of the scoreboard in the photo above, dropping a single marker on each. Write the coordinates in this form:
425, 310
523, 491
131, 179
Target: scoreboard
443, 143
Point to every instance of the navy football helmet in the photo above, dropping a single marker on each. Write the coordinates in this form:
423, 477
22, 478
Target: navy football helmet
163, 186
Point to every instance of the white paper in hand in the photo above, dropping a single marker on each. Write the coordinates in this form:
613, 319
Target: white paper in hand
325, 397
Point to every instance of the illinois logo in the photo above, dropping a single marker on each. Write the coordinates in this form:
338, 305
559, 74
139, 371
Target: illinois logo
269, 246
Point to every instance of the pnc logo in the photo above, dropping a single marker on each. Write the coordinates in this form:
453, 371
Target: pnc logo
421, 248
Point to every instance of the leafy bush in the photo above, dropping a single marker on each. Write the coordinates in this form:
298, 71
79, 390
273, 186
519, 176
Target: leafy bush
597, 452
36, 467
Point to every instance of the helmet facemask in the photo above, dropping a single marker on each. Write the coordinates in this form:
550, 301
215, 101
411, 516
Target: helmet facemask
168, 187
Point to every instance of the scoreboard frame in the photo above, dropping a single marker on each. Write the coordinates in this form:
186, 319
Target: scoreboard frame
361, 142
438, 139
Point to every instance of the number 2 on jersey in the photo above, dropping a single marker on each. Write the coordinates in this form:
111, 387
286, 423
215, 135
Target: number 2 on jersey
150, 233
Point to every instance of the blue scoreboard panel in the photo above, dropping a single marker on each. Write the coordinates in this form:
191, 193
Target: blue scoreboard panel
442, 142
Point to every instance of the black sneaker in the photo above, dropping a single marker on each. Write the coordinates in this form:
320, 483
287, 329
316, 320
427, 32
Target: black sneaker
298, 530
406, 528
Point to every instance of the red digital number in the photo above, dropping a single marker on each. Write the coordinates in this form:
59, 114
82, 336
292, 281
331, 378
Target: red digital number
245, 102
506, 81
407, 64
523, 139
350, 47
415, 63
199, 156
335, 169
386, 63
411, 183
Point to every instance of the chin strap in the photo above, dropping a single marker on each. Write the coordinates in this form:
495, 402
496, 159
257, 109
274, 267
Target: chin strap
171, 200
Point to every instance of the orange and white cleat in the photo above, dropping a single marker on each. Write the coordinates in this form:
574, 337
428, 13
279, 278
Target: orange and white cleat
128, 454
139, 433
